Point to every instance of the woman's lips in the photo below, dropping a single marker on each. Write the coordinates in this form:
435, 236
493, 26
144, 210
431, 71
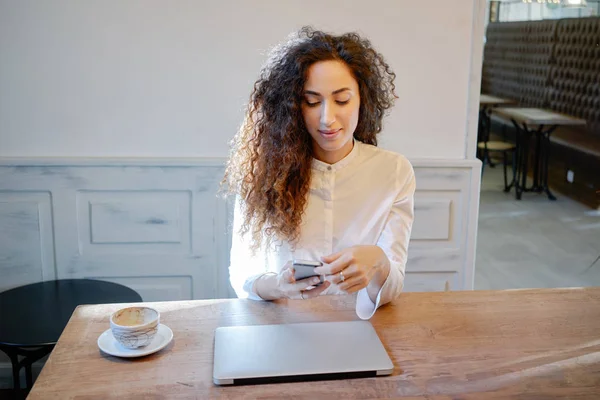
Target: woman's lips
330, 134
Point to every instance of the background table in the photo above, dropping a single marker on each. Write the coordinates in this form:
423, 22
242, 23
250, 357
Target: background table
470, 345
489, 100
524, 120
32, 317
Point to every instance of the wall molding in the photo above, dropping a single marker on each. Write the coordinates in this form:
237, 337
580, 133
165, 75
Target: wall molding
158, 226
112, 161
185, 218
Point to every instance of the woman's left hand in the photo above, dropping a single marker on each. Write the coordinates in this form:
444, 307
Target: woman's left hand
353, 268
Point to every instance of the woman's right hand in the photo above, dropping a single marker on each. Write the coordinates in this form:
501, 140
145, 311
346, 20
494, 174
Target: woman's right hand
284, 286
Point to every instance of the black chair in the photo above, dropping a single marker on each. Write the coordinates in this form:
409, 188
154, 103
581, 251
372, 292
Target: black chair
487, 147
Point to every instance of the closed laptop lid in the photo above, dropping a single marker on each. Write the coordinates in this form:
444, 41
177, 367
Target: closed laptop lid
297, 352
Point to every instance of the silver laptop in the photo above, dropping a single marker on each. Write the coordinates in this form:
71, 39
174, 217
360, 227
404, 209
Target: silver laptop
298, 352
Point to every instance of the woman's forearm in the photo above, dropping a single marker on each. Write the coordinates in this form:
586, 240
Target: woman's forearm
383, 271
266, 287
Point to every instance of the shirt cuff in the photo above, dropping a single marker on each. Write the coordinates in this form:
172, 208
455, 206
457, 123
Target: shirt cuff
249, 292
365, 308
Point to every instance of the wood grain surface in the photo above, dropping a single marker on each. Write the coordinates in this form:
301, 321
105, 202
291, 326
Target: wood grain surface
489, 100
525, 344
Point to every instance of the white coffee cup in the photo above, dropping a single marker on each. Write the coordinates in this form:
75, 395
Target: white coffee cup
134, 327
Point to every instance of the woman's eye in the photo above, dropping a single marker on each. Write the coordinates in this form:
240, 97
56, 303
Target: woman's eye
316, 103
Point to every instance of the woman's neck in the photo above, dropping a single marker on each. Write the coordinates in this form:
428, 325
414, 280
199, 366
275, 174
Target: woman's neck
332, 157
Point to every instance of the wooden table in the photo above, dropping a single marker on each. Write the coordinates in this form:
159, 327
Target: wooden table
488, 100
538, 344
545, 121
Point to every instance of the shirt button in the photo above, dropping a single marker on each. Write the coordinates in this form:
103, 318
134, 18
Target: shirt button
329, 168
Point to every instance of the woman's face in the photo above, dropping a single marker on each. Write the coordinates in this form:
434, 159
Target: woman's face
330, 108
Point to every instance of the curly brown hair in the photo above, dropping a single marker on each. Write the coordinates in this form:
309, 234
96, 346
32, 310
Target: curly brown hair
269, 166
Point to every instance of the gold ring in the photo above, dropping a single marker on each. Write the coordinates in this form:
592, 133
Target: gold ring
342, 279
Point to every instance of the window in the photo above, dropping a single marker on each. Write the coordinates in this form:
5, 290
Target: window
531, 10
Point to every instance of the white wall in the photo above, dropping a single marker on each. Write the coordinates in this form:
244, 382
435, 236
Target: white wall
170, 79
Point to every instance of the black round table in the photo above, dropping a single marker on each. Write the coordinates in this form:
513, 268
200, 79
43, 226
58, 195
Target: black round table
32, 317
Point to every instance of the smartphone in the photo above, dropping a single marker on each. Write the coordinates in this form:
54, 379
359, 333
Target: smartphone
305, 269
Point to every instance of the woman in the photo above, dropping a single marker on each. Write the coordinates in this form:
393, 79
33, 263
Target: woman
310, 182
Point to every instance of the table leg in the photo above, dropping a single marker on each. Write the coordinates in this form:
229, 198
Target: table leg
541, 160
515, 164
14, 360
29, 357
514, 169
523, 138
28, 375
545, 147
13, 354
537, 158
526, 135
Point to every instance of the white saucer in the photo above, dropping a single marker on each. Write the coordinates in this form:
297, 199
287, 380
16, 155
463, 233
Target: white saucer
109, 344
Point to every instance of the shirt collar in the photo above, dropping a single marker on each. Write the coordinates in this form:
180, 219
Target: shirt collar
323, 166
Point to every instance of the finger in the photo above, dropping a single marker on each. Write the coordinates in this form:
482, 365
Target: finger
361, 280
347, 273
331, 258
350, 272
338, 265
306, 283
288, 275
309, 294
352, 289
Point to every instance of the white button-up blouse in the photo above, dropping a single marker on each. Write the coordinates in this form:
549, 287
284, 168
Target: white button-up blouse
364, 199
